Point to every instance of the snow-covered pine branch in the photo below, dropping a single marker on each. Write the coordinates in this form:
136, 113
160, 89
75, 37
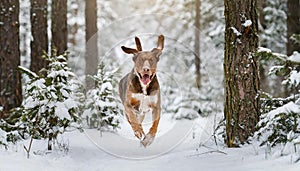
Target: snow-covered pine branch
280, 121
49, 106
102, 108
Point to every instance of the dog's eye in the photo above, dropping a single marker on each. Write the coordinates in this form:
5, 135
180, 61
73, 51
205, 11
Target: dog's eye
151, 61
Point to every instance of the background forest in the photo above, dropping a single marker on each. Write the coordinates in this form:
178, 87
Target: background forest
229, 77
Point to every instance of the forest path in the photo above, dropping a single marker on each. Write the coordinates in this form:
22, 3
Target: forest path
87, 154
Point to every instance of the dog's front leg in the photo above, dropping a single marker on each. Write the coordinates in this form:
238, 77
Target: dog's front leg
148, 139
134, 122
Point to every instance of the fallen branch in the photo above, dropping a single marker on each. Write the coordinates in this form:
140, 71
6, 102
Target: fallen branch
208, 152
29, 148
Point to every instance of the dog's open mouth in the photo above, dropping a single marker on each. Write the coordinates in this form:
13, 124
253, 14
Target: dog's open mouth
145, 78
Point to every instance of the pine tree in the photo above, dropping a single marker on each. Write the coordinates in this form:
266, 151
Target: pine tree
241, 71
102, 108
197, 43
10, 79
39, 42
59, 28
273, 30
49, 106
273, 21
91, 38
280, 120
293, 21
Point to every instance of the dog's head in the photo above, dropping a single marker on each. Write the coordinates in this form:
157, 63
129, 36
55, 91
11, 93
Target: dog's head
145, 62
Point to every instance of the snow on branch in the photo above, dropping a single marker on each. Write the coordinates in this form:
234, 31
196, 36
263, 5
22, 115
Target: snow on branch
28, 72
265, 52
235, 31
295, 57
247, 23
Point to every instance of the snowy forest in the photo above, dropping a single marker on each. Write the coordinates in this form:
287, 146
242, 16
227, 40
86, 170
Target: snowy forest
228, 73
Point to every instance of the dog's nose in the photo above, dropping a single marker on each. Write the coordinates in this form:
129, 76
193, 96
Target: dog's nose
146, 69
146, 66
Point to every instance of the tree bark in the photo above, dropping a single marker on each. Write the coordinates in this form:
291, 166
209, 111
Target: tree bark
59, 28
91, 56
39, 42
293, 25
197, 43
10, 78
241, 71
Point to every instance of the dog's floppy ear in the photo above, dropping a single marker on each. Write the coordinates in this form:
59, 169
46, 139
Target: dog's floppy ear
133, 51
160, 42
138, 44
129, 50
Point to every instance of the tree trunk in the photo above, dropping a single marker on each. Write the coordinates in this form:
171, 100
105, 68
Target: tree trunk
10, 78
74, 27
59, 28
264, 82
91, 56
39, 42
293, 25
197, 43
261, 7
241, 71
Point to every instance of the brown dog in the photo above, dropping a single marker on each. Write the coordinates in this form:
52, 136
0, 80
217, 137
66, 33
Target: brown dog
139, 90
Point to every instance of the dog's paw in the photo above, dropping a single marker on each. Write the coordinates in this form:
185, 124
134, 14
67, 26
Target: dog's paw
148, 139
139, 134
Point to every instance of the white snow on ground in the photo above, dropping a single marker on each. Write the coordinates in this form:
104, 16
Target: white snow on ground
85, 152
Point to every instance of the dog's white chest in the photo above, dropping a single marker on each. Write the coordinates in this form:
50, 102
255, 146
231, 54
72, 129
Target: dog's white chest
145, 101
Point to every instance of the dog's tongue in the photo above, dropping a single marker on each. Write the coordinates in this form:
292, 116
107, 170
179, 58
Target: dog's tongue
145, 79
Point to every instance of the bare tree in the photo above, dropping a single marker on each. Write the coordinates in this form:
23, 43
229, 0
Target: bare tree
39, 42
293, 25
91, 56
241, 71
10, 78
197, 43
59, 28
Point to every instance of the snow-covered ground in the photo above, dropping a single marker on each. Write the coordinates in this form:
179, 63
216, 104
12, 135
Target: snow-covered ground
171, 150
